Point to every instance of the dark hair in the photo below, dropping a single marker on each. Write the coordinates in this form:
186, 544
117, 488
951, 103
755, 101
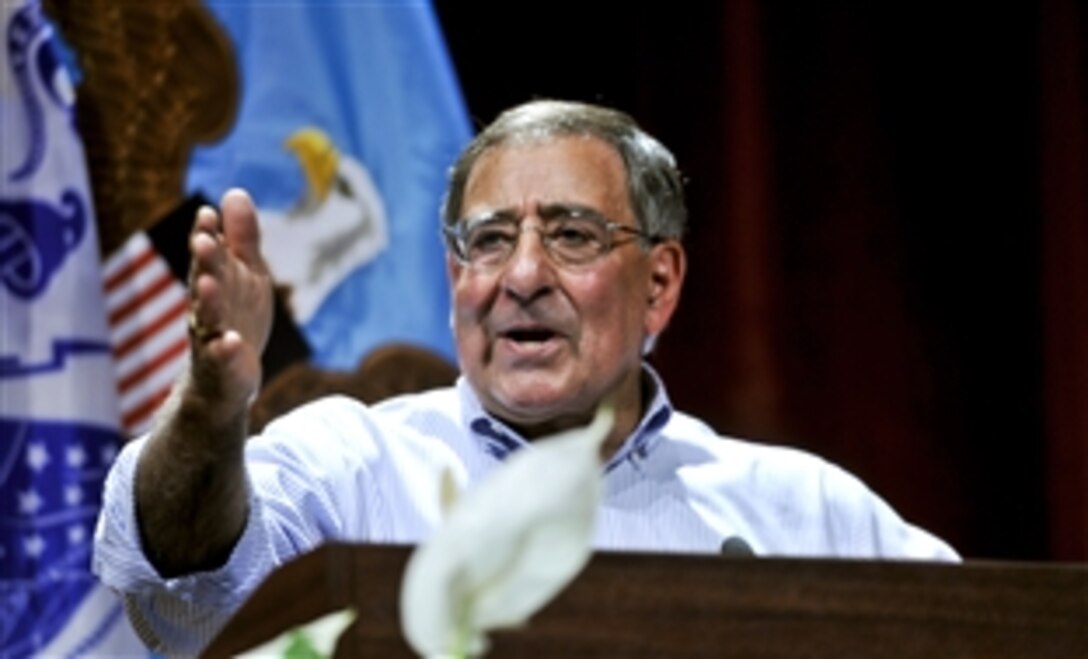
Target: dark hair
653, 182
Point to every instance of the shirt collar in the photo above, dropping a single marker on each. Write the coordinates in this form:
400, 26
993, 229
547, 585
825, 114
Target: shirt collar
500, 440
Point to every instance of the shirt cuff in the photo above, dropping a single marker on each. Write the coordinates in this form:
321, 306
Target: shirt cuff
120, 562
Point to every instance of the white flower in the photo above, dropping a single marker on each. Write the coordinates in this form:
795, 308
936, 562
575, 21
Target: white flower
508, 546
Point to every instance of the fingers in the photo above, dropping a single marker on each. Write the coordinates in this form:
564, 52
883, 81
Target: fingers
230, 288
240, 227
230, 306
205, 271
215, 241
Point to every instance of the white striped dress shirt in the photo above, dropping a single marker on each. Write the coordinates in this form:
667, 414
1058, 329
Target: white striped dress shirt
337, 469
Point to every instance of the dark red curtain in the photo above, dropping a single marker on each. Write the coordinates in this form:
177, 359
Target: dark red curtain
1065, 273
888, 218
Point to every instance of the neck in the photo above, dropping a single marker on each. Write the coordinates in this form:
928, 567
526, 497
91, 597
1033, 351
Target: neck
629, 409
628, 416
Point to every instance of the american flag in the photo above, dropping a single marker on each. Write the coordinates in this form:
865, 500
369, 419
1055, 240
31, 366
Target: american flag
146, 309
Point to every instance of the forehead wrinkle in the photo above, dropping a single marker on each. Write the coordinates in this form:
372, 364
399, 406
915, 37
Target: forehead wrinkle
558, 186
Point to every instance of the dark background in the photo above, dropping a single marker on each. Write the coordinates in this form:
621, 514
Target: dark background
888, 220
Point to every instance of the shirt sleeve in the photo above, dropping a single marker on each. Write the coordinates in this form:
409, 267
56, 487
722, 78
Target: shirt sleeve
307, 483
323, 472
178, 615
865, 525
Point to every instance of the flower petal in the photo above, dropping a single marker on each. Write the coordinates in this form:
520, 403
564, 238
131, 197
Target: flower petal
508, 546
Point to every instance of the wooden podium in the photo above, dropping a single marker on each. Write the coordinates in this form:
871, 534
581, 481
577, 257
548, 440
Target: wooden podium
655, 605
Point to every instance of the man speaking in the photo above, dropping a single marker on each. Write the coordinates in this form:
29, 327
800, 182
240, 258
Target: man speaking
563, 224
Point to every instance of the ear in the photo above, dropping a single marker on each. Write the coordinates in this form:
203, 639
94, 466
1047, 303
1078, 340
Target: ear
668, 265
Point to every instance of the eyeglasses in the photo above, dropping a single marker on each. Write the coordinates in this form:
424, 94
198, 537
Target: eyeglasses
571, 236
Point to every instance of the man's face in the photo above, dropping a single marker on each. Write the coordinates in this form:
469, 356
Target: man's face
542, 343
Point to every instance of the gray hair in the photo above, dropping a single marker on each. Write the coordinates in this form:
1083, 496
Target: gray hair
653, 181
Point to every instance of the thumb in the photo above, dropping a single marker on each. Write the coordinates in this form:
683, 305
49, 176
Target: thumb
240, 227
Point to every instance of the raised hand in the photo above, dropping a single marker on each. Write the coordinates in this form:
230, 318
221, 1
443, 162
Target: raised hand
230, 313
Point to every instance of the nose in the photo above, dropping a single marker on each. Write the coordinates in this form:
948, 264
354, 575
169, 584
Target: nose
529, 273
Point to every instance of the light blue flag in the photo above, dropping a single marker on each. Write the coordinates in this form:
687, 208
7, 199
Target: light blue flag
58, 404
350, 117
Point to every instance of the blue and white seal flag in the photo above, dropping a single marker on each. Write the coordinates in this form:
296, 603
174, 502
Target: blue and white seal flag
350, 117
58, 404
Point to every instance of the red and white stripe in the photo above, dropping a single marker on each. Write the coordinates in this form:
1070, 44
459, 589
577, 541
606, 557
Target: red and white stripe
146, 307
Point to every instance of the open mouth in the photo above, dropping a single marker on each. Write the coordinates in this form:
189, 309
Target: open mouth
529, 335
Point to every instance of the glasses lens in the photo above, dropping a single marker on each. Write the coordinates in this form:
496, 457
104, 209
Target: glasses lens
577, 239
489, 242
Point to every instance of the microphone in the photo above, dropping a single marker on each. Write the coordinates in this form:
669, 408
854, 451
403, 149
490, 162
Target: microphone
736, 547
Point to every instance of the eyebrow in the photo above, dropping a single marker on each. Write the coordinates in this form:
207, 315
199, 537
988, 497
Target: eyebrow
553, 210
488, 216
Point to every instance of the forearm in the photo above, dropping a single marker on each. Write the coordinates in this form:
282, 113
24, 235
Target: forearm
190, 485
190, 488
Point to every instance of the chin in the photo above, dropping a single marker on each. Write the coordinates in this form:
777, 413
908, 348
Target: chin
529, 405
